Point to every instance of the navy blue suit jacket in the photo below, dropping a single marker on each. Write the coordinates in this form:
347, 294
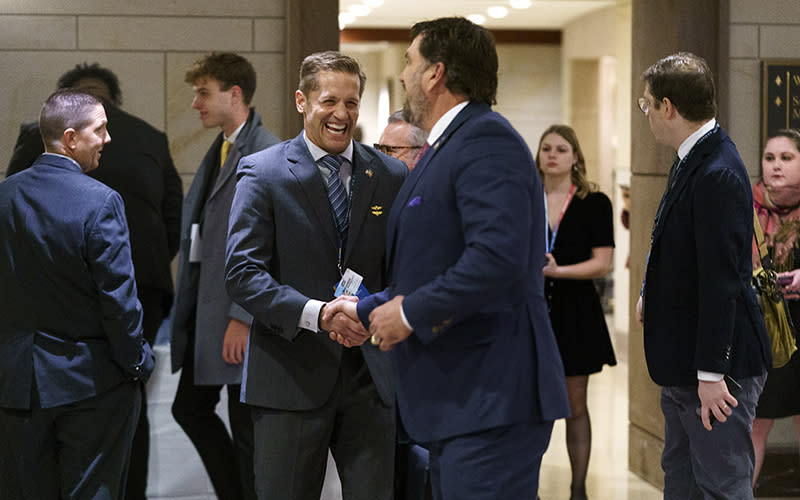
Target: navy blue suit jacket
700, 311
137, 164
69, 316
465, 245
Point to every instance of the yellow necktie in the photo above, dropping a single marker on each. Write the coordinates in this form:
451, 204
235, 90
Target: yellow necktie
223, 154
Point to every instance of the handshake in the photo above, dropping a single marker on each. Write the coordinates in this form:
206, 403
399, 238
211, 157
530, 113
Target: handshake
339, 318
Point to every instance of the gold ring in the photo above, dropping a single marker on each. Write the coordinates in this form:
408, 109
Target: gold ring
375, 340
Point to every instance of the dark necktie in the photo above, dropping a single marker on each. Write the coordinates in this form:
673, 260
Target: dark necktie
673, 176
337, 195
673, 172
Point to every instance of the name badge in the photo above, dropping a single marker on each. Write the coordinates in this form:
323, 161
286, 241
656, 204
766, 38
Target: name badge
195, 244
350, 284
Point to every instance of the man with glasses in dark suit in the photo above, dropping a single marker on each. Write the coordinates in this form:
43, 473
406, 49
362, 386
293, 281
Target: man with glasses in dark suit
704, 336
402, 140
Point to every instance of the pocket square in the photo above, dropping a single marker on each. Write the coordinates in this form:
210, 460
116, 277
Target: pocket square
415, 201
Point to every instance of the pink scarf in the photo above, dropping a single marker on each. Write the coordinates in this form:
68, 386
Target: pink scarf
778, 211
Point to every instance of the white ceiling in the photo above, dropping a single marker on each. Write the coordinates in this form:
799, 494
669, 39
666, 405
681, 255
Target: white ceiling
542, 14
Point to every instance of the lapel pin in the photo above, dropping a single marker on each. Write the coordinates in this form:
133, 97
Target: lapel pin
369, 173
376, 210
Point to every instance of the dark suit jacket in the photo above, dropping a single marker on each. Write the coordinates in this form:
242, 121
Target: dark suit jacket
282, 251
465, 245
137, 164
700, 312
69, 316
201, 304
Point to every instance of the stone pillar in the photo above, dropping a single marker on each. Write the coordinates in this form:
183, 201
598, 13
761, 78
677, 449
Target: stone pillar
311, 26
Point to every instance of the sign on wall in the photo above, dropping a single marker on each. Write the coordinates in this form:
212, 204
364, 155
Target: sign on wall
780, 105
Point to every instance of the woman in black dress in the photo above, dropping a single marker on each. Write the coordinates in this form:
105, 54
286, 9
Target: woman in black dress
580, 248
777, 203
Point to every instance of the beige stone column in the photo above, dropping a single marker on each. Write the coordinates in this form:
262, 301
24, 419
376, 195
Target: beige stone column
660, 28
311, 26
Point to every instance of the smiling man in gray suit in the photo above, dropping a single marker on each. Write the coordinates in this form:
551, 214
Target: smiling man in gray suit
209, 331
304, 212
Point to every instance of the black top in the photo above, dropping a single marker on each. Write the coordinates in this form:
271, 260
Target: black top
781, 395
575, 310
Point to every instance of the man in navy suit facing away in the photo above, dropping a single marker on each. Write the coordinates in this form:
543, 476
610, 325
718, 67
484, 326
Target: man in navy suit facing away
72, 354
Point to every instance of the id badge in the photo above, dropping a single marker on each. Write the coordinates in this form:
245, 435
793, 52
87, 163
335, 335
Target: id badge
350, 284
195, 244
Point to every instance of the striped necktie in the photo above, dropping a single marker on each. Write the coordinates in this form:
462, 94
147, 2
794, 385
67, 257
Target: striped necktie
337, 195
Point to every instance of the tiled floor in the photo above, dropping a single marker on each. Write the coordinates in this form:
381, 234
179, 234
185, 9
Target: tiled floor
177, 474
608, 476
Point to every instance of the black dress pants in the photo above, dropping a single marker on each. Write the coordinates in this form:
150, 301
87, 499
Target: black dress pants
229, 462
77, 451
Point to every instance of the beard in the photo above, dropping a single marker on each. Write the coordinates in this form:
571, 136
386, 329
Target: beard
413, 110
414, 106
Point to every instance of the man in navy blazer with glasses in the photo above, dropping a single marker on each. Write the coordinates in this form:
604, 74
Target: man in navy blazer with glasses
701, 320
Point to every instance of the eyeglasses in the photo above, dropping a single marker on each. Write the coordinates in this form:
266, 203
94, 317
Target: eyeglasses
644, 105
383, 148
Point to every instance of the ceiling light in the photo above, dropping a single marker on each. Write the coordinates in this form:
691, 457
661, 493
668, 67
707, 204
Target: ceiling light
477, 18
497, 11
345, 18
373, 3
359, 10
520, 4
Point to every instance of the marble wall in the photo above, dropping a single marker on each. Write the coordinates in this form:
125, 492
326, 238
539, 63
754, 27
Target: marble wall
149, 45
759, 31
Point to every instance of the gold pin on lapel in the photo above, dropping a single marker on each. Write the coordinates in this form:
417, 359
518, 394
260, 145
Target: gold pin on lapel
369, 173
376, 210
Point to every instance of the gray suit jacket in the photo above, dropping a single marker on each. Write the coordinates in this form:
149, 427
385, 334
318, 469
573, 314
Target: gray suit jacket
201, 303
282, 250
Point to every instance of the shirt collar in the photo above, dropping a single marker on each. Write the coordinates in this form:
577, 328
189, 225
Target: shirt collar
317, 152
75, 163
441, 125
690, 141
232, 138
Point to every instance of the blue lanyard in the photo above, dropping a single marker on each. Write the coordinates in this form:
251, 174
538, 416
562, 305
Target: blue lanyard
550, 239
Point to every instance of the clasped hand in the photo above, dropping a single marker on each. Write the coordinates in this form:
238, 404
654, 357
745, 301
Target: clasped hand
386, 329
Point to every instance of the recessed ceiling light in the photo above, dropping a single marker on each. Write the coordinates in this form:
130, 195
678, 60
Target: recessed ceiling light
520, 4
497, 11
477, 18
373, 3
345, 18
359, 10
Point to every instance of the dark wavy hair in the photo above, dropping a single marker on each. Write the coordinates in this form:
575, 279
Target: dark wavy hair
686, 80
468, 53
228, 69
94, 70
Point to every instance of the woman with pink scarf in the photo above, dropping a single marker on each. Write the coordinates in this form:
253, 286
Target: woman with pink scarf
777, 203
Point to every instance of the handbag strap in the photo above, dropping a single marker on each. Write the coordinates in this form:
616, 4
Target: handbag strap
759, 235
